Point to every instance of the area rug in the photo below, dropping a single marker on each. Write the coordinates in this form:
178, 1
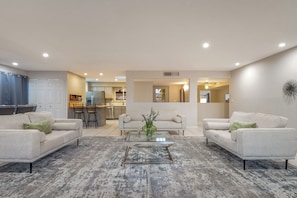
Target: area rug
93, 169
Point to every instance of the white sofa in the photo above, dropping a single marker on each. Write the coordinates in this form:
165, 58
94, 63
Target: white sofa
166, 120
28, 145
269, 140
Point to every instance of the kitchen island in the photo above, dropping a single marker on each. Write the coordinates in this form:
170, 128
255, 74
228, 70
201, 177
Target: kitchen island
100, 113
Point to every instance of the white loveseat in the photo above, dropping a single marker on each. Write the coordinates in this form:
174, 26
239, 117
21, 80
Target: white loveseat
166, 120
28, 145
269, 140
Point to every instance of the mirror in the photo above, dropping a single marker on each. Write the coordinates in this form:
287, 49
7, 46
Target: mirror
160, 94
161, 90
215, 91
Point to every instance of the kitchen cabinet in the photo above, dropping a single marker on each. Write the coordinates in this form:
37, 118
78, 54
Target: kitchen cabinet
108, 92
118, 110
120, 93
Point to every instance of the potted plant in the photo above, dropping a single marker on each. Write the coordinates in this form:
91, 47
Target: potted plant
149, 127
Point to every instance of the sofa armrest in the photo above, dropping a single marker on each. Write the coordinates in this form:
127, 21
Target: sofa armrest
121, 121
267, 142
215, 123
76, 125
183, 120
19, 145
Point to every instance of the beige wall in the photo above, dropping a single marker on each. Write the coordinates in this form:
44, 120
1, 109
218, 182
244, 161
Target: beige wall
76, 85
258, 86
212, 110
221, 93
143, 92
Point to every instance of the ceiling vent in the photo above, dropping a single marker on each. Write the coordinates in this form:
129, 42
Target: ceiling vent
171, 73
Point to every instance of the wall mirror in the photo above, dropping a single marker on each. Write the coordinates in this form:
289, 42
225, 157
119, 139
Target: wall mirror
213, 91
161, 90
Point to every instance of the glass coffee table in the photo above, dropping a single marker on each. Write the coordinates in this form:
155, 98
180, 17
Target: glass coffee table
148, 150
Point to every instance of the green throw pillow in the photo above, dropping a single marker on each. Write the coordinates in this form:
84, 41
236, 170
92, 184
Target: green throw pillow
43, 126
237, 125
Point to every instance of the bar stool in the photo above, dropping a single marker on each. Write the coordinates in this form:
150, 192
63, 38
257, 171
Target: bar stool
25, 108
7, 109
79, 113
92, 114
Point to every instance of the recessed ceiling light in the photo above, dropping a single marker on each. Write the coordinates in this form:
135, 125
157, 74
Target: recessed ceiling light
85, 74
97, 79
115, 79
282, 45
45, 55
120, 77
237, 64
205, 45
101, 74
15, 64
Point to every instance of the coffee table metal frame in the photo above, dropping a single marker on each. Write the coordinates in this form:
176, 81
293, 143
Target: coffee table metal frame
139, 141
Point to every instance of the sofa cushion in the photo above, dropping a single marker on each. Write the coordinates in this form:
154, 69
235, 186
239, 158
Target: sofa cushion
133, 124
137, 115
167, 125
166, 115
241, 117
269, 121
13, 121
237, 125
68, 135
177, 119
43, 126
66, 126
53, 141
127, 118
40, 116
218, 125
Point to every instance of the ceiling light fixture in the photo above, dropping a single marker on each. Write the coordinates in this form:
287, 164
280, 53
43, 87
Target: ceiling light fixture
85, 74
282, 45
186, 87
205, 45
97, 79
45, 55
15, 64
115, 79
101, 74
208, 84
120, 77
237, 64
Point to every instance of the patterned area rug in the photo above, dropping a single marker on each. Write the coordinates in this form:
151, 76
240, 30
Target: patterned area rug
93, 169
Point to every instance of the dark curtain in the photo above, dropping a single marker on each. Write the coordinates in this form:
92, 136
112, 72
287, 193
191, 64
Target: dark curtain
4, 89
13, 89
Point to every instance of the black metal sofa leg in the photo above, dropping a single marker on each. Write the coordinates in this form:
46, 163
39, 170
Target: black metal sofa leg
243, 164
286, 164
31, 167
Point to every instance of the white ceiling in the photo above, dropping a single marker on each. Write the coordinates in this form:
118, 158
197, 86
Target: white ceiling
114, 36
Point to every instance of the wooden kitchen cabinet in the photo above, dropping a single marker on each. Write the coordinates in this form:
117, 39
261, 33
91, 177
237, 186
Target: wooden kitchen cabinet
108, 92
118, 110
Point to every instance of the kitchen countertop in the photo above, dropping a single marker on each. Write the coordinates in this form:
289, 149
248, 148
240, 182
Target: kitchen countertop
85, 106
